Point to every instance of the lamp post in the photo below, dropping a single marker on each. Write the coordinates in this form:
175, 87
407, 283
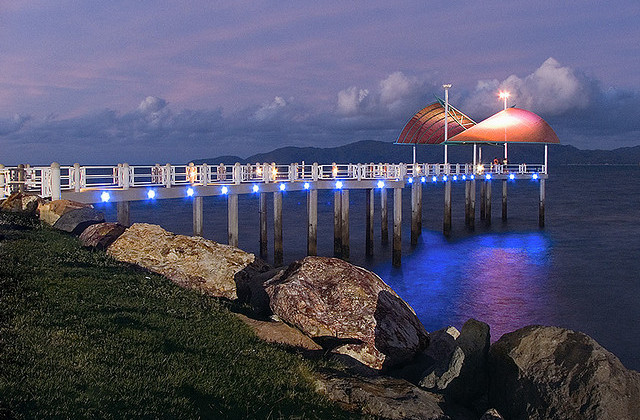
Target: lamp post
504, 95
446, 122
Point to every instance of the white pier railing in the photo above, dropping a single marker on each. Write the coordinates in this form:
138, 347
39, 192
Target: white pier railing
49, 181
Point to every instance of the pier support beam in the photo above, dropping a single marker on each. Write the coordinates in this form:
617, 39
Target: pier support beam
504, 200
384, 217
446, 223
541, 203
122, 208
467, 202
487, 205
312, 222
396, 258
197, 215
414, 213
278, 254
419, 208
369, 221
345, 224
262, 209
483, 200
472, 205
232, 219
337, 224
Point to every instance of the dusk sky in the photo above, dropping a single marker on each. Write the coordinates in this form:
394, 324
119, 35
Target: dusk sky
159, 81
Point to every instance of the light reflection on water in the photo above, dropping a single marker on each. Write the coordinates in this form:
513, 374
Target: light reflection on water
500, 279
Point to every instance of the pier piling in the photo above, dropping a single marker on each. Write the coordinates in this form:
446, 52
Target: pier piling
472, 205
312, 222
337, 224
278, 254
345, 224
197, 215
384, 217
122, 209
483, 200
232, 221
487, 205
414, 213
396, 257
541, 203
263, 225
504, 200
446, 224
369, 221
467, 202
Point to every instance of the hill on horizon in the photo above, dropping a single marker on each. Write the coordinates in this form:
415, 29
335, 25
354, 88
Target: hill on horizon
379, 151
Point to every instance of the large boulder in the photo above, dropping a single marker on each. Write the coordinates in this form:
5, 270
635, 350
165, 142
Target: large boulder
381, 396
101, 235
76, 221
50, 212
20, 202
348, 309
554, 373
459, 368
189, 261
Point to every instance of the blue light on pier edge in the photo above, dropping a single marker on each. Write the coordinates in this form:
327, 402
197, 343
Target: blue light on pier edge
410, 180
339, 184
434, 179
151, 194
423, 179
464, 177
190, 192
225, 190
444, 178
534, 176
105, 197
512, 176
307, 185
473, 177
380, 184
455, 177
255, 188
282, 187
487, 176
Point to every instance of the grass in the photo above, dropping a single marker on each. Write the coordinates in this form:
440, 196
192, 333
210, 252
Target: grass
82, 335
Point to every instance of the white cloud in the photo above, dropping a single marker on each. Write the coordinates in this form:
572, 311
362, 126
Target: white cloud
397, 87
552, 89
152, 104
270, 110
350, 100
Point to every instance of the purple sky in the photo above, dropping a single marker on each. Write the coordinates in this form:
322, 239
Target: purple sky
154, 81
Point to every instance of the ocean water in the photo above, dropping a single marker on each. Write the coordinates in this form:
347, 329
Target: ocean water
582, 271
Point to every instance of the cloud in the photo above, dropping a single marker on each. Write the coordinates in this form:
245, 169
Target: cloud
14, 124
350, 100
270, 110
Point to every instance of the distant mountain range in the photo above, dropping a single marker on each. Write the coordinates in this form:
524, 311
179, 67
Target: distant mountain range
378, 151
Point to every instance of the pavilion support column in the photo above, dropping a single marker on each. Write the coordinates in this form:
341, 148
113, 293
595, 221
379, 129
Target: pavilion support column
278, 254
384, 217
420, 209
370, 198
396, 258
541, 203
124, 216
446, 223
337, 224
312, 222
487, 206
262, 209
414, 213
472, 205
197, 216
232, 219
345, 224
504, 200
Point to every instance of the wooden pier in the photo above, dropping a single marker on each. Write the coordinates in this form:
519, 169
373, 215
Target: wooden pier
125, 183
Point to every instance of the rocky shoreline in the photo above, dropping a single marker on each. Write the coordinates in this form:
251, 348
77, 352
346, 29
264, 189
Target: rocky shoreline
396, 369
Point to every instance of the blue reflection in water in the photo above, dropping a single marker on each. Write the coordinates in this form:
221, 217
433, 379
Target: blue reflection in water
497, 278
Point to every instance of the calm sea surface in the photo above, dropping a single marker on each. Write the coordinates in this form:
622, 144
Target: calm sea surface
582, 271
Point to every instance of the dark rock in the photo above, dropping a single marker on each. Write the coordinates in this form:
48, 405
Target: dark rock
491, 414
250, 285
381, 396
51, 211
76, 221
460, 363
554, 373
101, 235
20, 202
348, 309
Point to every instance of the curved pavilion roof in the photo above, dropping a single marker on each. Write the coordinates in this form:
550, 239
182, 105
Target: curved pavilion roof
512, 125
427, 125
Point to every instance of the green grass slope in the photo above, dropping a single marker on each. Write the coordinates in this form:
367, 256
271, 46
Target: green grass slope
82, 335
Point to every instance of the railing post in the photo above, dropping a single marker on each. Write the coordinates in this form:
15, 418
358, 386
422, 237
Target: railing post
237, 174
126, 176
359, 169
315, 171
2, 181
21, 178
56, 192
76, 177
167, 175
204, 176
